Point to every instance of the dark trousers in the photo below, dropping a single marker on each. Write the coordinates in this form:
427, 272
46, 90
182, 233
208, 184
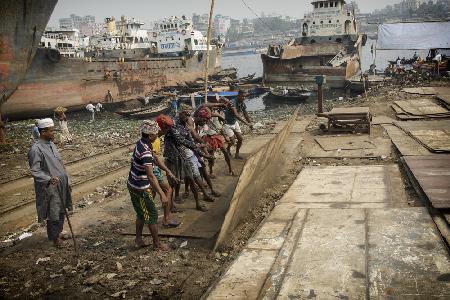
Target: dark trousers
54, 228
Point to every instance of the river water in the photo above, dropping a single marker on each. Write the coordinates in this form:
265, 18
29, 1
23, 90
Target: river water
249, 64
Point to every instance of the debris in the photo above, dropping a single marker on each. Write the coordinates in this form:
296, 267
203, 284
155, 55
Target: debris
131, 284
98, 243
42, 259
17, 194
119, 266
55, 275
25, 235
87, 290
93, 279
183, 244
110, 276
120, 294
155, 281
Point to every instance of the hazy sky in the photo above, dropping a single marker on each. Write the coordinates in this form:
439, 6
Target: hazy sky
150, 10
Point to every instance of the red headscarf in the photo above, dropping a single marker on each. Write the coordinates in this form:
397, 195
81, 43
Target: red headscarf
164, 121
204, 113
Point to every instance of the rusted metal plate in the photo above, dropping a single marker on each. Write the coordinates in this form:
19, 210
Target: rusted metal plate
434, 135
405, 144
422, 107
433, 175
378, 120
428, 90
352, 142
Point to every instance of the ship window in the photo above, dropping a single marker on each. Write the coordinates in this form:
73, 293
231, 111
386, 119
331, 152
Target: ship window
326, 4
48, 44
314, 23
141, 40
196, 42
176, 25
316, 5
337, 21
336, 4
329, 21
331, 4
321, 4
321, 22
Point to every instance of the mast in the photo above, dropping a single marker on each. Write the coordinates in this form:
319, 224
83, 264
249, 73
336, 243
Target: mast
208, 42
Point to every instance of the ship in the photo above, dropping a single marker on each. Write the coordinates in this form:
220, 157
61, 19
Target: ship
329, 45
125, 63
22, 24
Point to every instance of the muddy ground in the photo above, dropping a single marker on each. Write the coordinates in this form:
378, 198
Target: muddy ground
109, 266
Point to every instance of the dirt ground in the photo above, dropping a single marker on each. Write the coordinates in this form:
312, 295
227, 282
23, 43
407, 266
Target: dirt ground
109, 266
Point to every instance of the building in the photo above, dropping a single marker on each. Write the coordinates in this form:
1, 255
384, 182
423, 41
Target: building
75, 22
221, 25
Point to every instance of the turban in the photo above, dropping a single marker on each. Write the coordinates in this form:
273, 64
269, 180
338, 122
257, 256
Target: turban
45, 123
164, 121
185, 107
204, 113
149, 127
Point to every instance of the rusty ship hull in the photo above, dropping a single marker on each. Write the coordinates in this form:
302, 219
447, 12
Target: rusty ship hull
53, 81
22, 23
300, 64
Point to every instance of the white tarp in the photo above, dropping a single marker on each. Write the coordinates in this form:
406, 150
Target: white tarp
414, 36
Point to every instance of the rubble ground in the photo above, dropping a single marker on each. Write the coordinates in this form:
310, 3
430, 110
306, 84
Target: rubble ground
108, 265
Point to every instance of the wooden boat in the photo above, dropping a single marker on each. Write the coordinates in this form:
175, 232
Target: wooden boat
356, 84
290, 93
151, 112
230, 72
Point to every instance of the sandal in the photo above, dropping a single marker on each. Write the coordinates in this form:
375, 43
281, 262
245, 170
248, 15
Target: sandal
171, 224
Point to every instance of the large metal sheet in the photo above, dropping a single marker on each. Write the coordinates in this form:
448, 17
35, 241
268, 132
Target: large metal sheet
433, 175
434, 135
420, 107
350, 142
405, 144
382, 149
427, 90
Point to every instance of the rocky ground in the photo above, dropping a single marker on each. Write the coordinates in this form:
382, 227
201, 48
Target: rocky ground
108, 265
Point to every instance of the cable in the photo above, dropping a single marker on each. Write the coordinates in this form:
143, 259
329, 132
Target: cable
261, 20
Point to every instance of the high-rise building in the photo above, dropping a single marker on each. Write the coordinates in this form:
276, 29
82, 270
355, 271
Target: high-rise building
75, 21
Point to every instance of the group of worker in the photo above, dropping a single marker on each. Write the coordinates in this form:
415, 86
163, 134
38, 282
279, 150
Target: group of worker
189, 141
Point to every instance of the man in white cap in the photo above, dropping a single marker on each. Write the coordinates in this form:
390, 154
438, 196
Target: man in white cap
51, 182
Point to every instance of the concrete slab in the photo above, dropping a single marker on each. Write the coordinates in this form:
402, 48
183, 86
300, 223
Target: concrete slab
328, 260
383, 148
252, 145
298, 127
246, 276
270, 236
407, 259
347, 186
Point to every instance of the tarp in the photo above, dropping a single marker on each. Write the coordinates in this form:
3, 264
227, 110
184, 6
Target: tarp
414, 36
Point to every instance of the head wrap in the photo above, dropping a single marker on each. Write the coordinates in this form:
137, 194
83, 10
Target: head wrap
164, 121
203, 112
185, 107
45, 123
60, 109
149, 127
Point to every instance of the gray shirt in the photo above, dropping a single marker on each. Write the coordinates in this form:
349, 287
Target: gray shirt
45, 162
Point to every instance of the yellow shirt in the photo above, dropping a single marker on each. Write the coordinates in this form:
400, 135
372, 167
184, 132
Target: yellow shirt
156, 145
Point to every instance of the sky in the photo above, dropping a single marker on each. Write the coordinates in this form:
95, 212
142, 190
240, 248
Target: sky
151, 10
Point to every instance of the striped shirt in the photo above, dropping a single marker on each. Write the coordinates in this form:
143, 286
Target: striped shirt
142, 156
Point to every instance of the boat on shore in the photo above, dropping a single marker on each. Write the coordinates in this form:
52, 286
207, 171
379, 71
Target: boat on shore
290, 94
124, 69
329, 45
150, 112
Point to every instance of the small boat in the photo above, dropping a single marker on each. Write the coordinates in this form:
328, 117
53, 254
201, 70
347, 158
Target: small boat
258, 90
230, 72
358, 85
151, 112
283, 93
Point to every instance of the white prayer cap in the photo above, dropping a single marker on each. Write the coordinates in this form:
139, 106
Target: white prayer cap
45, 123
149, 127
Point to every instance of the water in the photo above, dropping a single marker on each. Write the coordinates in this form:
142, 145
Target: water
249, 64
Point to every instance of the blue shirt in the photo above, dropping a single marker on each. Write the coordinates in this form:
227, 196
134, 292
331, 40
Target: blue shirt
142, 157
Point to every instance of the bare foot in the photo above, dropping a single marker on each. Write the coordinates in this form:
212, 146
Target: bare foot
208, 198
237, 156
58, 243
215, 194
161, 247
140, 243
201, 208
